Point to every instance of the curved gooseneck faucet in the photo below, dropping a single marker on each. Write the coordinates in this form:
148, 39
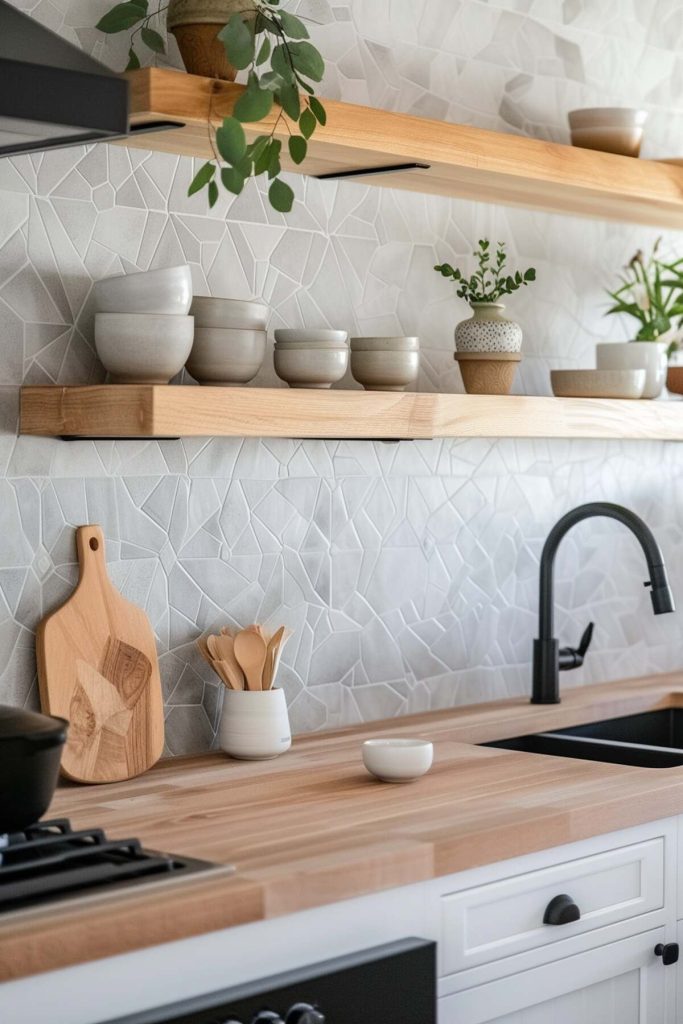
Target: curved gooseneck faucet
549, 658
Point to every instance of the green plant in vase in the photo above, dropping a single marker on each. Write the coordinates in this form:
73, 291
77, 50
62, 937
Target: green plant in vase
489, 282
282, 67
651, 293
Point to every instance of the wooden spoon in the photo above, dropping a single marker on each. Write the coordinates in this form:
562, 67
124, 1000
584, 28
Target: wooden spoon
271, 653
222, 649
250, 650
286, 634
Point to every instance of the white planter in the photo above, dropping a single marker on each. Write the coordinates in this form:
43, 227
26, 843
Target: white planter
254, 725
636, 355
487, 330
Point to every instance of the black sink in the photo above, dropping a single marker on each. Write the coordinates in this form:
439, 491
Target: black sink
653, 739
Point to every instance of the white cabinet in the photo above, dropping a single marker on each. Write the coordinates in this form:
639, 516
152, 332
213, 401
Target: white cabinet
620, 983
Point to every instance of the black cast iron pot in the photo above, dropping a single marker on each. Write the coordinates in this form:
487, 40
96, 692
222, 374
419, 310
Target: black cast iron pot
30, 752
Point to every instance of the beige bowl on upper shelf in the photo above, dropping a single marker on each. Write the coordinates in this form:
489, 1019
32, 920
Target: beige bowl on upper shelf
143, 348
608, 129
225, 356
165, 292
598, 383
385, 364
242, 314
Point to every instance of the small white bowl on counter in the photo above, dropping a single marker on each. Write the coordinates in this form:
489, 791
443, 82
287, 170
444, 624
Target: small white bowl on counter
397, 759
167, 291
143, 348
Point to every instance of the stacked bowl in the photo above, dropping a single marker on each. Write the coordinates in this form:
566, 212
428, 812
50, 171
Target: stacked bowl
143, 333
311, 359
385, 364
229, 340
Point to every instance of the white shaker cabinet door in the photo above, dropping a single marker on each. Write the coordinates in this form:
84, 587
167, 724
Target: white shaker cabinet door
621, 983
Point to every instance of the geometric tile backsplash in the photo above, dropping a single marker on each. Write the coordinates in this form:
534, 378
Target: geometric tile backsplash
408, 571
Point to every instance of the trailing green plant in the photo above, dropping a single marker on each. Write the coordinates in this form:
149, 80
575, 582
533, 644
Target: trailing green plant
652, 293
274, 48
490, 281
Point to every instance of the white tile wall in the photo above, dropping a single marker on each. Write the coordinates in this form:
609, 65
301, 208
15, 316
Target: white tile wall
409, 571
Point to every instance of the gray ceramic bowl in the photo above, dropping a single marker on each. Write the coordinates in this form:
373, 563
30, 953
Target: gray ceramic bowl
224, 356
385, 370
311, 367
143, 348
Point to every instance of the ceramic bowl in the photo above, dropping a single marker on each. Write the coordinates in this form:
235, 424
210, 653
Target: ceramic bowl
143, 348
224, 356
610, 129
398, 760
598, 383
396, 344
636, 355
167, 292
211, 312
385, 370
311, 367
314, 338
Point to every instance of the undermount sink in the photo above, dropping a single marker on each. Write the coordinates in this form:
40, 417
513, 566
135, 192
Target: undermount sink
653, 739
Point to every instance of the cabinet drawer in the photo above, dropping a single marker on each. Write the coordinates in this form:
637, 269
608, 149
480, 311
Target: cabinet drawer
504, 918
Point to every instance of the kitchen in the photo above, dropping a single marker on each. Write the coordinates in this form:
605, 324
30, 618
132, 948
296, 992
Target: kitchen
407, 573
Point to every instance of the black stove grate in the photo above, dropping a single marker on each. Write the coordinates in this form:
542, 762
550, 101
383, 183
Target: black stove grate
50, 860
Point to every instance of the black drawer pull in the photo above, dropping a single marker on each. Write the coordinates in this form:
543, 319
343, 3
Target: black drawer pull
668, 952
561, 910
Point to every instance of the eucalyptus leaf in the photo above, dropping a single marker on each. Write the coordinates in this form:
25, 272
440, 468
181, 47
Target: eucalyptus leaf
121, 17
274, 158
213, 193
238, 39
307, 124
262, 160
232, 180
264, 51
290, 102
271, 80
254, 104
133, 60
292, 26
281, 196
307, 60
318, 110
231, 140
297, 148
153, 40
280, 63
202, 178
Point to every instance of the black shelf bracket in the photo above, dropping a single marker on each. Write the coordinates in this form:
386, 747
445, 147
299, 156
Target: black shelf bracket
366, 171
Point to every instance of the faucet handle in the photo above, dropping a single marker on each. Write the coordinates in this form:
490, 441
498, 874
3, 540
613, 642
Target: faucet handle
573, 657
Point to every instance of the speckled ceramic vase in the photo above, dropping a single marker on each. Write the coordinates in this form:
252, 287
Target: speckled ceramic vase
487, 330
195, 25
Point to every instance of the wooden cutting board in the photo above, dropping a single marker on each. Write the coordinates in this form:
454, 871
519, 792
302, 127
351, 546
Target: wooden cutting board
98, 668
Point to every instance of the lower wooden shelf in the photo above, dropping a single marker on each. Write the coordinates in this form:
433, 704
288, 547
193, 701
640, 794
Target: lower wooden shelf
153, 410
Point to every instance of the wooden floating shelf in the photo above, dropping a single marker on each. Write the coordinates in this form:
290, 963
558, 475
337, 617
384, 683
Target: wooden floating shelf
467, 162
152, 410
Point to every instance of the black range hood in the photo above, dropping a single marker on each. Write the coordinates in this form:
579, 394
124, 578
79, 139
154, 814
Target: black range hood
51, 93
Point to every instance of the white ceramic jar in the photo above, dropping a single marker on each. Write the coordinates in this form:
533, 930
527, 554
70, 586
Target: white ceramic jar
254, 724
650, 356
487, 330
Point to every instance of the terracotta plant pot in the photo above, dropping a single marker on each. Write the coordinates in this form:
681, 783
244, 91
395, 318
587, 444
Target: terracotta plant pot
674, 380
488, 373
195, 25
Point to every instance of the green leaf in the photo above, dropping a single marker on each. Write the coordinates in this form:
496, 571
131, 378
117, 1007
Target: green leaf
297, 148
281, 196
262, 161
254, 104
213, 193
530, 274
307, 60
280, 63
133, 60
231, 140
272, 81
291, 26
307, 124
232, 180
290, 101
121, 17
264, 52
274, 161
318, 109
238, 39
201, 178
153, 40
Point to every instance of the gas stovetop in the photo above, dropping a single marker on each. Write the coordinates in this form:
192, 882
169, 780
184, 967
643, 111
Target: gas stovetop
50, 861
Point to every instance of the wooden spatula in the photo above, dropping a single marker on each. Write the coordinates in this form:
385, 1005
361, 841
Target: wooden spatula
97, 665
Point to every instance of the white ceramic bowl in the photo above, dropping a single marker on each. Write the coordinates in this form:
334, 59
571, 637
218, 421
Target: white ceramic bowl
311, 367
385, 370
224, 356
315, 338
211, 312
167, 291
609, 129
254, 724
398, 760
598, 383
636, 355
396, 344
143, 348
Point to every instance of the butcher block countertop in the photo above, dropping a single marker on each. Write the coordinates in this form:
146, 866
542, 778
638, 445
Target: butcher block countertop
313, 827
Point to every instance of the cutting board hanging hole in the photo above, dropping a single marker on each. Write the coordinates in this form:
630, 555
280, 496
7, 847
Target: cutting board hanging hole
94, 543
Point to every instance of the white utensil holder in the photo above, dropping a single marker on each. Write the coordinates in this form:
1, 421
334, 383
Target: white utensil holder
254, 724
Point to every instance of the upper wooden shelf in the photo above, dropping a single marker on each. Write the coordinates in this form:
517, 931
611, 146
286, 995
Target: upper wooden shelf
468, 162
147, 410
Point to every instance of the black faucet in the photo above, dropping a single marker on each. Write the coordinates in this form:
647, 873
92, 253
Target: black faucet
549, 658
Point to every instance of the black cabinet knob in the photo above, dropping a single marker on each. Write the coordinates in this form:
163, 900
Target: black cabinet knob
668, 952
561, 910
304, 1013
267, 1017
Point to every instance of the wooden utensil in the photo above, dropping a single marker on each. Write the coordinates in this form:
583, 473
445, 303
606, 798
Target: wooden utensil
98, 667
221, 648
271, 654
250, 651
